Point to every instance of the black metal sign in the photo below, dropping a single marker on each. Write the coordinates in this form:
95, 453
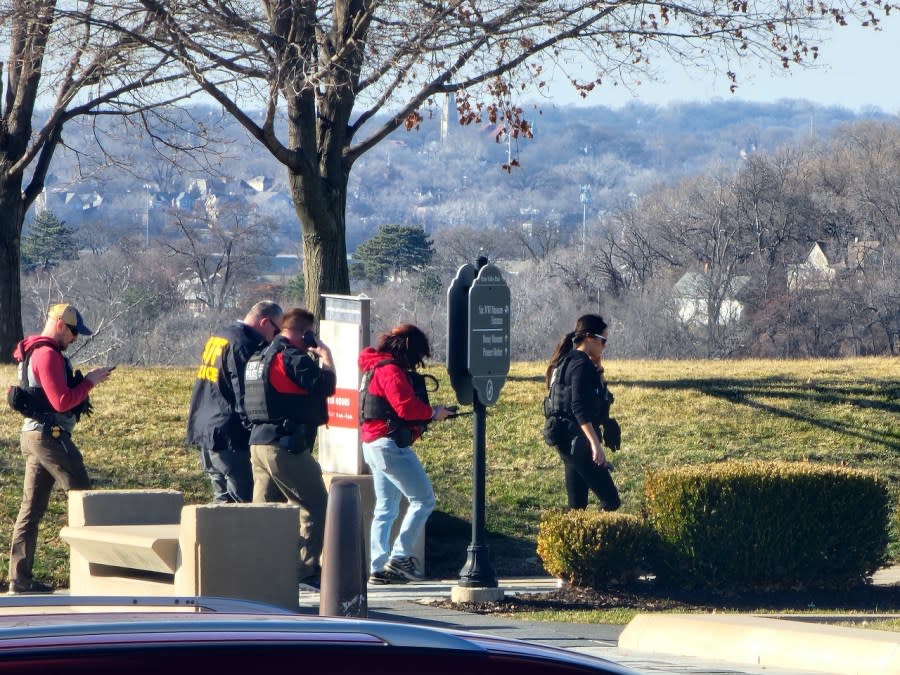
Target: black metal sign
458, 333
489, 323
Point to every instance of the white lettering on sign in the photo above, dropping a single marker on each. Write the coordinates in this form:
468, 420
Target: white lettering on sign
343, 408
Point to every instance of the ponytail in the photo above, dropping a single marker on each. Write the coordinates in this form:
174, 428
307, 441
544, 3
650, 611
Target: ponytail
563, 348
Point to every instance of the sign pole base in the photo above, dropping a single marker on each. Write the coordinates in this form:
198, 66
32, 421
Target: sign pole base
477, 572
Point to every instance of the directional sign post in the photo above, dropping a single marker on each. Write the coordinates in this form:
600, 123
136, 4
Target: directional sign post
488, 357
478, 320
458, 333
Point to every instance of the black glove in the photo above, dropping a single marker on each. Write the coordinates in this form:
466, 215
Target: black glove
612, 434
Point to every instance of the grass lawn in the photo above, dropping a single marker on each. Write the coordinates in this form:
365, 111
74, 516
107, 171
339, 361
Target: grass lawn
672, 413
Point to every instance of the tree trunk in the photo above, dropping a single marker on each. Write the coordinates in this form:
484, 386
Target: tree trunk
321, 210
12, 215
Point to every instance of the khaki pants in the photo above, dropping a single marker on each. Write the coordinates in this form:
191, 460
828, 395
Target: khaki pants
299, 478
48, 460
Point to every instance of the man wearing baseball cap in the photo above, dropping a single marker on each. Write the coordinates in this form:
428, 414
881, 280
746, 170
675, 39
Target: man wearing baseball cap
57, 397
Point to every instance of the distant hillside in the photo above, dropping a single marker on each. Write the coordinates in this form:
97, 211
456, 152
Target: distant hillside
419, 178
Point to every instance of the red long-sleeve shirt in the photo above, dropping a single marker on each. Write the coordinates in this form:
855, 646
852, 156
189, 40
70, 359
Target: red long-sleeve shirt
48, 371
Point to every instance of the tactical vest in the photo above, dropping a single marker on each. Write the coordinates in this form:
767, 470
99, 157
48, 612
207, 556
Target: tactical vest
374, 407
558, 402
32, 402
264, 405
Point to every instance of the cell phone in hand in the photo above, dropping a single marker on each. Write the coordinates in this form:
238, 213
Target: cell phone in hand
309, 339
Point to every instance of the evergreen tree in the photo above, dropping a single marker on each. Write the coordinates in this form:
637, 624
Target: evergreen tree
47, 243
294, 291
394, 251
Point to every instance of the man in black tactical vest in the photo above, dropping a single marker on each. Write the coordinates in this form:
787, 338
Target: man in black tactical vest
287, 385
56, 397
216, 424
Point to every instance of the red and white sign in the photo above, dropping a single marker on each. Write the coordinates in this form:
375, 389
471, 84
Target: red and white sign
343, 409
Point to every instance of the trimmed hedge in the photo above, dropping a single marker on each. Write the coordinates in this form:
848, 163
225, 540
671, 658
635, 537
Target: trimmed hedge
768, 525
593, 549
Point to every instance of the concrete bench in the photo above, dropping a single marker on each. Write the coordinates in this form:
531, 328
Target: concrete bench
147, 542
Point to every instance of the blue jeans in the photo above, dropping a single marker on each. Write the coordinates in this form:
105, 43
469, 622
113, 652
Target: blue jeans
230, 475
396, 472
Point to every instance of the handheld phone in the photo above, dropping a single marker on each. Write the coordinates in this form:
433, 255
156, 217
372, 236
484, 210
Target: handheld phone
309, 339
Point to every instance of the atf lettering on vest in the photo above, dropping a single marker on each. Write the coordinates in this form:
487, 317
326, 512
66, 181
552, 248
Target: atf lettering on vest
212, 354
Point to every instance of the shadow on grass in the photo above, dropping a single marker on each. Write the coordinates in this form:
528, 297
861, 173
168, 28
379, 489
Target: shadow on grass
447, 539
525, 378
882, 396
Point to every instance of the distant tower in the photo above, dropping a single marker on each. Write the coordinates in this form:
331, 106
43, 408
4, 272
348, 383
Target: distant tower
449, 115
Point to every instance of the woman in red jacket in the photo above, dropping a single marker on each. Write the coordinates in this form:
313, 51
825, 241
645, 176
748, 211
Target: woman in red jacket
395, 412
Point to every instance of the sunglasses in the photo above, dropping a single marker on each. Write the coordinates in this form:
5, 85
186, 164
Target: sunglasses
72, 329
599, 337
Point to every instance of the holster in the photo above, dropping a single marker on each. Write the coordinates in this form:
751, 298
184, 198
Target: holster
559, 431
296, 441
402, 435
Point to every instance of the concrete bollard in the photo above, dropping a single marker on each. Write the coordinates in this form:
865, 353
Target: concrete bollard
343, 591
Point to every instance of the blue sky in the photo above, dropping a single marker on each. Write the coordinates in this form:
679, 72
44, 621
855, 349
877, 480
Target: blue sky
857, 68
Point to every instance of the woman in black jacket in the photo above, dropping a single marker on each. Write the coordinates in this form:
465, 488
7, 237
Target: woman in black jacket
577, 408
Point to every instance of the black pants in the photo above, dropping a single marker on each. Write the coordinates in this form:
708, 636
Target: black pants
583, 475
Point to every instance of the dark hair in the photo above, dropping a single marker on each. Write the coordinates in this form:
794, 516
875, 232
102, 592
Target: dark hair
406, 344
298, 319
587, 324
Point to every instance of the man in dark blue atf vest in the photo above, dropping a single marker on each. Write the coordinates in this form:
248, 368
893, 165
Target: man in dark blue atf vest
287, 385
216, 424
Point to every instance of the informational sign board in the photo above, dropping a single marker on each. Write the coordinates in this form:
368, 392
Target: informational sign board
345, 329
488, 329
478, 349
458, 333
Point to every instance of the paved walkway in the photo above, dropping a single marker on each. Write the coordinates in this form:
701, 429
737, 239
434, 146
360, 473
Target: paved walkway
721, 643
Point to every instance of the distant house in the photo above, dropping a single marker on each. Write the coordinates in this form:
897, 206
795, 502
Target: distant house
259, 183
815, 272
691, 292
196, 295
84, 201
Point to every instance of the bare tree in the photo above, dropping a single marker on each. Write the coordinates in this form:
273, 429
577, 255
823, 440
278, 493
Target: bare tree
460, 244
62, 54
323, 71
537, 239
636, 253
218, 255
707, 237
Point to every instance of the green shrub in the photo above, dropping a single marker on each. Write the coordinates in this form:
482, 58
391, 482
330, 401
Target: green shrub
593, 549
768, 525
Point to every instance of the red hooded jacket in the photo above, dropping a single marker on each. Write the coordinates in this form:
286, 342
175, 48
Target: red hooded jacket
390, 382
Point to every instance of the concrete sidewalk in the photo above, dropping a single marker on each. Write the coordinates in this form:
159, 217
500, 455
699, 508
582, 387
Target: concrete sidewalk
662, 643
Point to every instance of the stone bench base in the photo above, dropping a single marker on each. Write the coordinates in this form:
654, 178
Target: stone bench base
126, 542
153, 548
